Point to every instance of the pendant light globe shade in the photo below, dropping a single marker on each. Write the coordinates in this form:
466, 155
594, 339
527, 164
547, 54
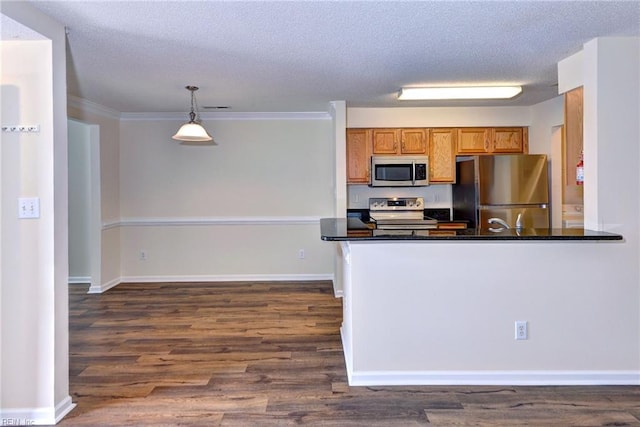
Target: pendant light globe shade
192, 131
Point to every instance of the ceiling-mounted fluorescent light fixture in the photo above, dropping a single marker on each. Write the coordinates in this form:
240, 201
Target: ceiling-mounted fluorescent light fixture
192, 131
467, 92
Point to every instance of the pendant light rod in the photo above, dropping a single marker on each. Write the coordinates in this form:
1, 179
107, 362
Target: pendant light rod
192, 114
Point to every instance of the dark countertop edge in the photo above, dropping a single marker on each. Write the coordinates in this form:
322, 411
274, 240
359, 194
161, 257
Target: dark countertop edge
335, 229
484, 238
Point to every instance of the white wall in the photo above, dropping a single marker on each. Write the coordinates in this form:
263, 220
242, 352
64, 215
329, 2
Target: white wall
21, 250
545, 131
339, 116
34, 381
612, 134
545, 116
444, 313
79, 202
240, 209
438, 117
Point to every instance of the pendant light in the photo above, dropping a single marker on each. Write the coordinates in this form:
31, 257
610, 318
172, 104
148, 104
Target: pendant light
192, 131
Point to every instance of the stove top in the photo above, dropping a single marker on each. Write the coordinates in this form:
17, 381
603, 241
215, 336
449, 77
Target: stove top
396, 204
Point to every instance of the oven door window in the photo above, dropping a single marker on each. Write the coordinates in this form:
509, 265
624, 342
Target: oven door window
394, 172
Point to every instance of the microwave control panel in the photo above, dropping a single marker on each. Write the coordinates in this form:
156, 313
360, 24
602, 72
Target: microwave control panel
421, 171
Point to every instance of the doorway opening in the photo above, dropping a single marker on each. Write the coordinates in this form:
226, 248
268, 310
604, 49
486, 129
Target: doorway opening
85, 211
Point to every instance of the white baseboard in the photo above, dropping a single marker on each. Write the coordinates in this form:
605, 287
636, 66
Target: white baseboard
36, 416
346, 349
83, 280
98, 289
211, 278
229, 278
513, 378
63, 408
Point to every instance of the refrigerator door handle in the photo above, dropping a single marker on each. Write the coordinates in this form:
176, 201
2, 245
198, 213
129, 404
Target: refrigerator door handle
519, 221
499, 221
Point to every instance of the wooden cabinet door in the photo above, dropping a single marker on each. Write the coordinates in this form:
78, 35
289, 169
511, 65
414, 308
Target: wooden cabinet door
473, 140
508, 140
442, 155
413, 141
385, 141
358, 156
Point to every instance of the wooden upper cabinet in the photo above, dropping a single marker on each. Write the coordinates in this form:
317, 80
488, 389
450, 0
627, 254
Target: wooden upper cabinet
386, 141
493, 140
400, 141
440, 144
473, 140
358, 156
509, 140
442, 155
413, 141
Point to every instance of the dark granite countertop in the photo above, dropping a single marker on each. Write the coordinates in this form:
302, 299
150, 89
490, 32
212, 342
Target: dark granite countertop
353, 229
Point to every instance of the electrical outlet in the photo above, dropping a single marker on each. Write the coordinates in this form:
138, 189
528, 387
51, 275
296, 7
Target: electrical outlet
143, 256
521, 330
300, 253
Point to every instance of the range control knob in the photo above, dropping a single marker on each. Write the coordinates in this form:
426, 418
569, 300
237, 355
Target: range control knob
418, 203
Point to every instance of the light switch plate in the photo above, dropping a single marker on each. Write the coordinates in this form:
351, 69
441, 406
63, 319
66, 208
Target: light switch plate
29, 207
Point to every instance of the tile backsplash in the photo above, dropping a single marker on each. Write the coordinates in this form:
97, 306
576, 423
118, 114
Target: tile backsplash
435, 196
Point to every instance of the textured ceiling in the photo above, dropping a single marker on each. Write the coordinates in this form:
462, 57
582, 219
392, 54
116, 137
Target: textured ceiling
137, 56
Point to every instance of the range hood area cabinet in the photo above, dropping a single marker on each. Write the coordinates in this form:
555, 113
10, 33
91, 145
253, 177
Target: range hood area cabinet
440, 144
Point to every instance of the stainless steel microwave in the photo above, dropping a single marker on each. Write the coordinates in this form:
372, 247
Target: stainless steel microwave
399, 171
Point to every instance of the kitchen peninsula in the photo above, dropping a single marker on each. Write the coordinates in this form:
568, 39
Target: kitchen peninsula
440, 308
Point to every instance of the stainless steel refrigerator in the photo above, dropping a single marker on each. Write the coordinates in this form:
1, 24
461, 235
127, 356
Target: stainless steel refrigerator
502, 191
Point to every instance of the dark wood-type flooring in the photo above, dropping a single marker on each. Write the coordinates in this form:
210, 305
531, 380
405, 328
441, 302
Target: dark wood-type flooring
269, 354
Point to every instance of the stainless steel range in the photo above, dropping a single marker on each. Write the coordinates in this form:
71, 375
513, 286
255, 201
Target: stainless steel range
400, 213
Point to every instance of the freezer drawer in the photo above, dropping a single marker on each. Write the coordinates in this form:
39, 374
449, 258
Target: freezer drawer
532, 217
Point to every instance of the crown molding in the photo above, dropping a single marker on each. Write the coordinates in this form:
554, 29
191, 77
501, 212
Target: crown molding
305, 115
92, 107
